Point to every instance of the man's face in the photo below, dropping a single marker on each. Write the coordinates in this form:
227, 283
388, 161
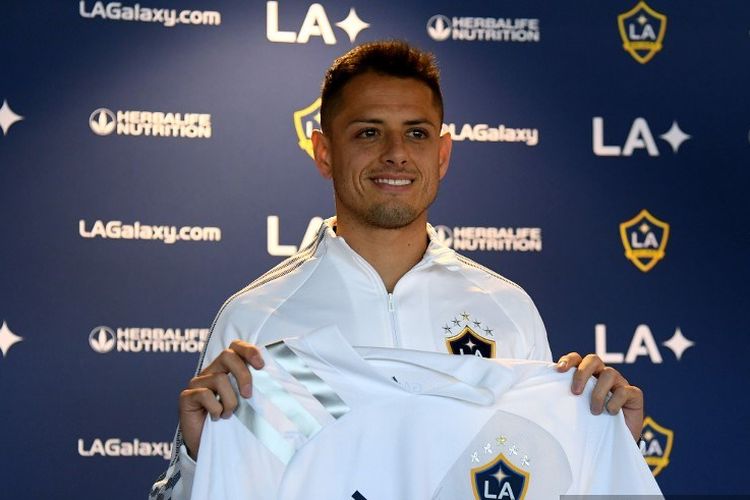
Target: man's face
383, 151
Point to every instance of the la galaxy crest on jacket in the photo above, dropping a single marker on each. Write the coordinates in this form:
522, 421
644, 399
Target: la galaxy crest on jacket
155, 158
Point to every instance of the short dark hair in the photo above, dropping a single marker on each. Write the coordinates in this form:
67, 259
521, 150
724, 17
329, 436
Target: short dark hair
386, 57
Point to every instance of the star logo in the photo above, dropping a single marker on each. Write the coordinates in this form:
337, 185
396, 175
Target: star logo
499, 478
439, 28
102, 339
656, 446
467, 340
102, 121
7, 339
678, 343
8, 117
675, 137
642, 31
500, 475
352, 24
305, 121
644, 238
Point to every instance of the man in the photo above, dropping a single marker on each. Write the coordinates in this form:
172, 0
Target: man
376, 270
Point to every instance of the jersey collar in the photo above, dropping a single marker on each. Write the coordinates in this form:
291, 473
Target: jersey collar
467, 378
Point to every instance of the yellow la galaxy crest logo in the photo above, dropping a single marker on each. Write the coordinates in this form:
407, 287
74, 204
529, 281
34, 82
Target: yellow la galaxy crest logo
499, 479
642, 30
305, 120
645, 240
461, 337
656, 446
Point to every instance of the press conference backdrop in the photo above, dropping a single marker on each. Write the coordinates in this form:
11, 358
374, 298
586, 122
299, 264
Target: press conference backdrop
155, 158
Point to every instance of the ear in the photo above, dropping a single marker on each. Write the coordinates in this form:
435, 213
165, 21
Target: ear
322, 152
444, 153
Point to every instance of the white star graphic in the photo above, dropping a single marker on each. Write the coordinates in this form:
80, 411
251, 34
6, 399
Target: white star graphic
352, 25
8, 117
675, 137
499, 475
642, 19
488, 448
7, 339
470, 344
678, 343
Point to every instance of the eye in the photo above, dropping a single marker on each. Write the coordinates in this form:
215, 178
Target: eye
418, 133
367, 133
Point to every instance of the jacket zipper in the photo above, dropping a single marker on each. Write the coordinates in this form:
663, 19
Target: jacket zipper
392, 315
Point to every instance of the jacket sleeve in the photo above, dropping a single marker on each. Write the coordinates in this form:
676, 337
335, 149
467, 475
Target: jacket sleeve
177, 481
540, 350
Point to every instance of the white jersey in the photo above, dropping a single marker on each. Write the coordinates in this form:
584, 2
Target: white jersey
446, 303
328, 421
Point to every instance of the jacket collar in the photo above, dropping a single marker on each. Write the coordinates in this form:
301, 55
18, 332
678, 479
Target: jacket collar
436, 253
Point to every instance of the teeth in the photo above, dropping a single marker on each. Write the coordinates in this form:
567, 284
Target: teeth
393, 182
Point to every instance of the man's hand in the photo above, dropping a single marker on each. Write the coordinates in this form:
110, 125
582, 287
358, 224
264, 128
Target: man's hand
211, 392
624, 396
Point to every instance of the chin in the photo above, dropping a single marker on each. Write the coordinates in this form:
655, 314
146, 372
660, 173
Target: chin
391, 217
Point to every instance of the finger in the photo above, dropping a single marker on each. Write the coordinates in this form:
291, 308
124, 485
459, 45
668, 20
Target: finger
221, 386
248, 352
230, 362
590, 365
600, 394
625, 397
200, 399
568, 361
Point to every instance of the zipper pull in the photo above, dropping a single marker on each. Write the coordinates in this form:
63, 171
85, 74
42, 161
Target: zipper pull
391, 308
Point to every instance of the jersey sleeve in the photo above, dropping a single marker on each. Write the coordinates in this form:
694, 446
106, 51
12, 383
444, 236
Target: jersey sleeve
232, 464
618, 468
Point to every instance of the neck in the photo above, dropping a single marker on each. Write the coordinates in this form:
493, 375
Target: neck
391, 252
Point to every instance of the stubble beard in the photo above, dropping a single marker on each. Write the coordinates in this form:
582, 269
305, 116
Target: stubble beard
390, 216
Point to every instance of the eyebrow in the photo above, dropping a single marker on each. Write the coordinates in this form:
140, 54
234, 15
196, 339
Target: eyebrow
378, 121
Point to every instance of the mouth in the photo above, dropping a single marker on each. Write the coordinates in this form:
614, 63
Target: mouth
392, 182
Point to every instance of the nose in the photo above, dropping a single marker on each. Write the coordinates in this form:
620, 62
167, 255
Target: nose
394, 151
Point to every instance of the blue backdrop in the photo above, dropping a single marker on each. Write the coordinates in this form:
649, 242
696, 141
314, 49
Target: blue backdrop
152, 162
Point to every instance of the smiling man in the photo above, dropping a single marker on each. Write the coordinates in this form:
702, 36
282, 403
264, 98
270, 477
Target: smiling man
376, 271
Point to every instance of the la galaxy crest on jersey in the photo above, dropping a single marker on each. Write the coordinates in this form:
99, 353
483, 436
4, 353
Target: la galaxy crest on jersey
499, 479
462, 337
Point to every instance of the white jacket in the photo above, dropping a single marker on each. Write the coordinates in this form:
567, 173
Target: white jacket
445, 303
